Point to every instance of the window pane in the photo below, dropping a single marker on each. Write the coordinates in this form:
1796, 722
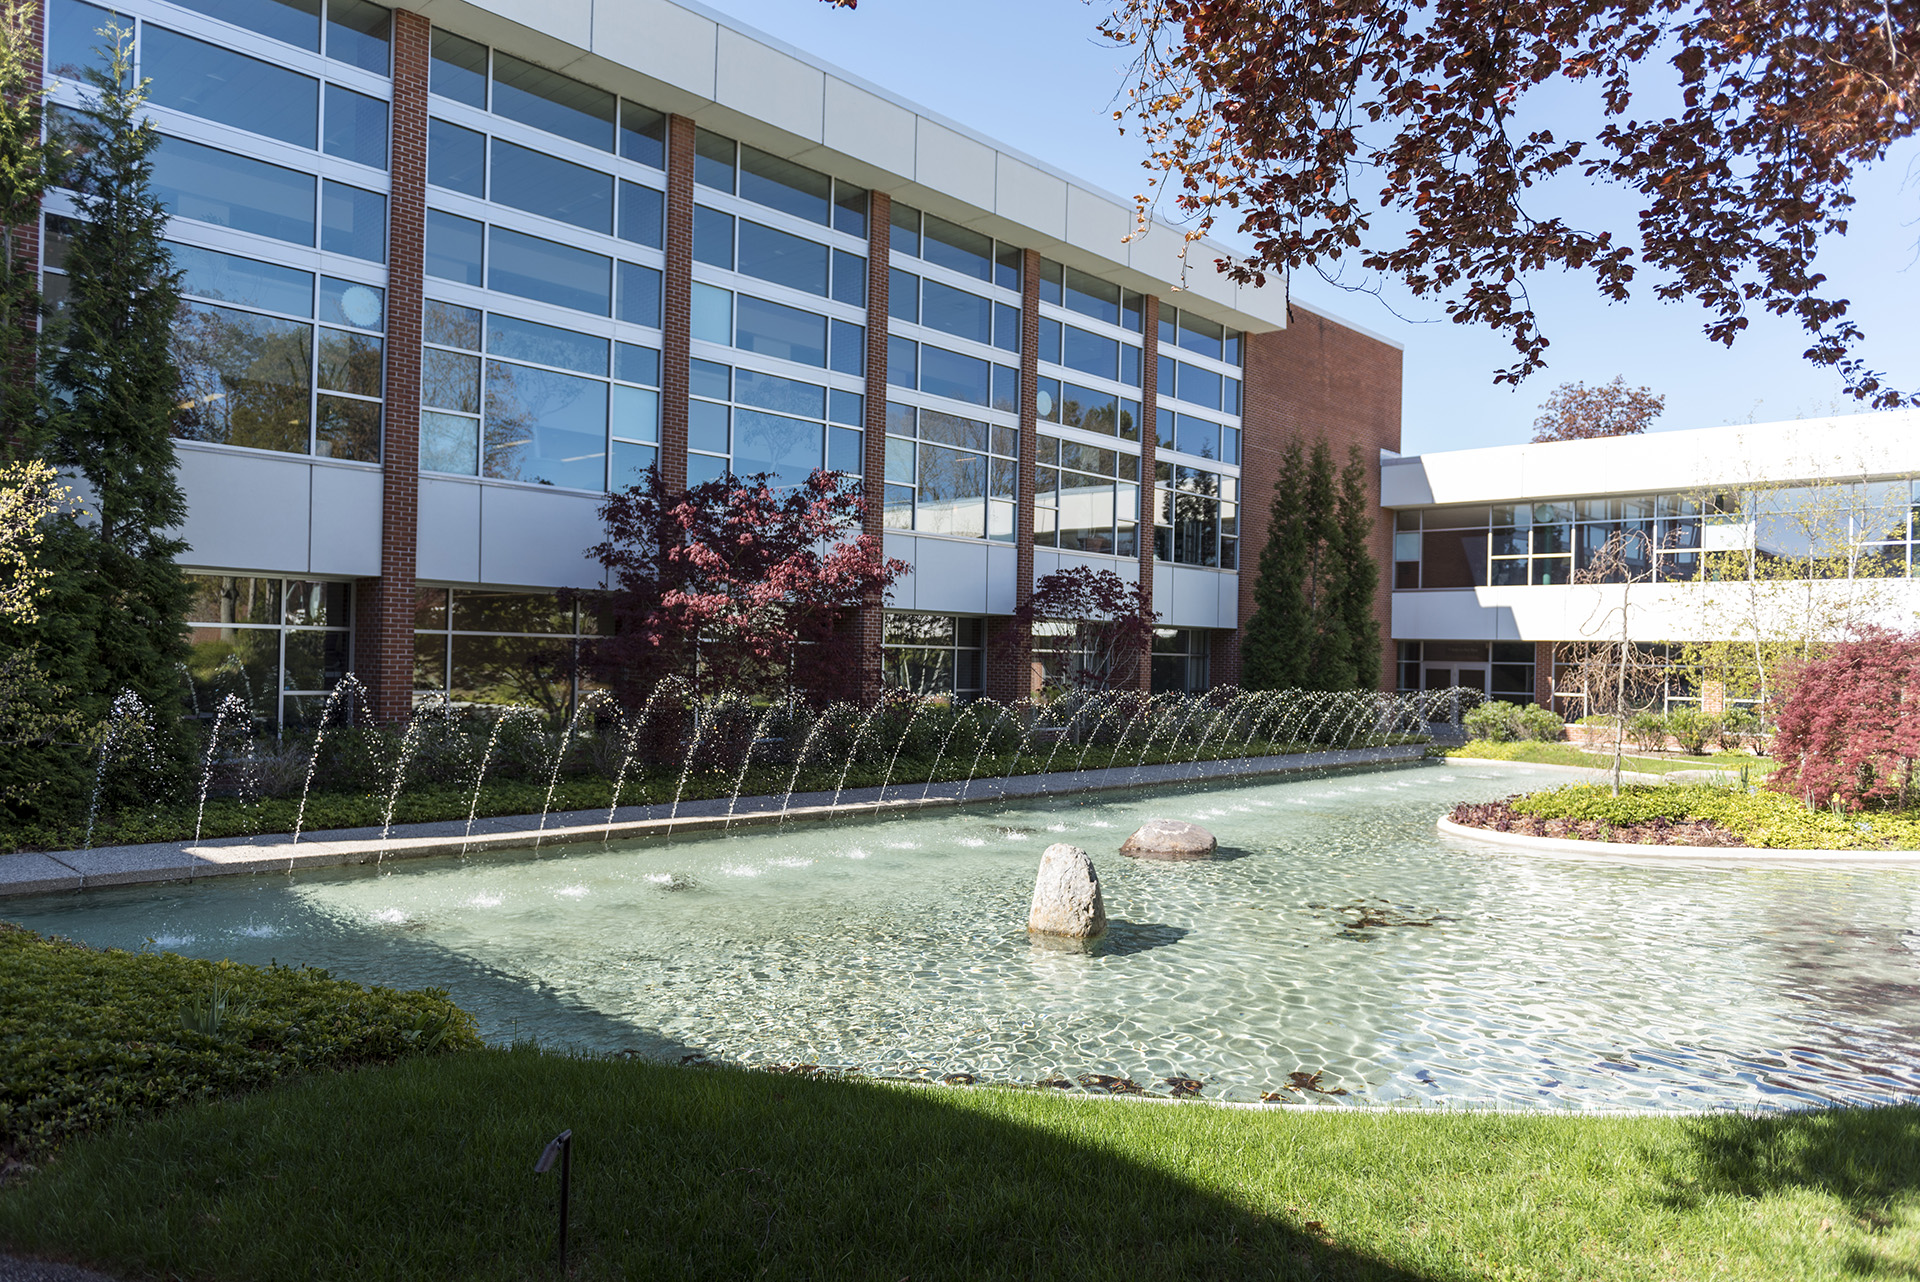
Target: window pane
1050, 277
849, 348
315, 660
782, 258
353, 222
350, 362
846, 450
850, 209
640, 214
1086, 513
643, 135
712, 314
551, 187
636, 364
783, 185
1130, 365
707, 427
246, 376
1090, 353
1200, 335
230, 278
1050, 331
74, 41
453, 247
713, 159
550, 272
219, 187
452, 326
450, 381
218, 84
849, 279
963, 378
903, 361
636, 413
639, 295
953, 488
459, 69
903, 296
847, 407
956, 311
357, 33
553, 102
788, 333
545, 345
348, 429
1006, 327
713, 237
786, 395
630, 463
906, 230
295, 21
1091, 296
958, 248
545, 427
356, 127
1199, 386
1007, 260
789, 448
1006, 388
350, 303
456, 158
1198, 436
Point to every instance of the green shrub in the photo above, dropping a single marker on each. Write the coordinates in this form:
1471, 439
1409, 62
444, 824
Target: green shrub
1692, 729
1497, 722
1541, 723
1738, 729
88, 1038
1648, 730
1757, 817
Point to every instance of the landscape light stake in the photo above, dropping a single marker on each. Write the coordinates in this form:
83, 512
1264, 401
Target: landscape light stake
561, 1146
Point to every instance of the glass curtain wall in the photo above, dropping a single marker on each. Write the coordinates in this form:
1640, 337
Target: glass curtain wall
935, 654
279, 645
482, 648
1197, 469
1092, 342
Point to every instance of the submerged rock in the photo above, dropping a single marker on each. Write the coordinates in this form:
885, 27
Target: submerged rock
1066, 895
1170, 839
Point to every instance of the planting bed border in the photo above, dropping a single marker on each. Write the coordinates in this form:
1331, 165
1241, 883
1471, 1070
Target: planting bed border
69, 870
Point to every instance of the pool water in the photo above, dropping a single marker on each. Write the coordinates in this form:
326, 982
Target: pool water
1339, 936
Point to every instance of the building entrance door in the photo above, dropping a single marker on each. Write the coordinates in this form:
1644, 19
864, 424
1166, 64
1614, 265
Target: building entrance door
1442, 676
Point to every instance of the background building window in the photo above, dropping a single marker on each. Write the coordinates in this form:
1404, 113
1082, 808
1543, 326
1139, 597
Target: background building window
278, 644
935, 654
1180, 660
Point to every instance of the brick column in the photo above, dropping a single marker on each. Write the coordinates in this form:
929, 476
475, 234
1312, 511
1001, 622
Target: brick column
1149, 453
870, 621
677, 297
384, 607
1010, 657
1543, 674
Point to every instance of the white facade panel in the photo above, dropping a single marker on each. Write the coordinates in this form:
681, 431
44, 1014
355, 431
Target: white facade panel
345, 538
448, 547
904, 591
867, 127
1003, 572
664, 41
246, 510
1194, 597
568, 20
1031, 197
1098, 224
950, 576
538, 539
769, 85
948, 161
1229, 601
1050, 561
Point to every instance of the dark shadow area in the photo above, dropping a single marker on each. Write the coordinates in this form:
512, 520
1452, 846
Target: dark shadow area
424, 1171
1122, 939
1222, 855
1863, 1157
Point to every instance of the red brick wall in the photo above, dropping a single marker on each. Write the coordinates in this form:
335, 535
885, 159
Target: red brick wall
1149, 450
871, 621
1314, 380
677, 300
1010, 656
383, 631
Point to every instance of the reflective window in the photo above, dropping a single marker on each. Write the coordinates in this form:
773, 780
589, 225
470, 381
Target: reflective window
957, 312
550, 101
1091, 296
958, 248
784, 259
849, 279
212, 186
552, 188
544, 427
357, 33
454, 247
74, 42
639, 301
247, 377
1090, 353
774, 329
549, 272
783, 185
207, 273
218, 84
747, 423
356, 127
1196, 517
277, 645
712, 237
714, 159
642, 214
643, 134
456, 158
946, 474
1086, 499
458, 69
295, 21
934, 654
545, 345
353, 221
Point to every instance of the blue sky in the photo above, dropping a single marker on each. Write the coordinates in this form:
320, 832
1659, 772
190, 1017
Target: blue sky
1035, 76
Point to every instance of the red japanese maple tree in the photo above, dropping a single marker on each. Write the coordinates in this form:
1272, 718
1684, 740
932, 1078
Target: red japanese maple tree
1108, 623
733, 585
1576, 412
1850, 725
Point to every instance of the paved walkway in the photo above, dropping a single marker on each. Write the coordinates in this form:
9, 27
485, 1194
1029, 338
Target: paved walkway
33, 874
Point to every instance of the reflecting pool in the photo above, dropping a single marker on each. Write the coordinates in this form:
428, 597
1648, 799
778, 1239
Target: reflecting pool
1340, 936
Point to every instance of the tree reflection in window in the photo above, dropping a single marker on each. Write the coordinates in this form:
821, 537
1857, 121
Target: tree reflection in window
246, 378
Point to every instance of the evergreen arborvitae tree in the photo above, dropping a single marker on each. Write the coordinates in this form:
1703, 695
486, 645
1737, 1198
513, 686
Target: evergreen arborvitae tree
1278, 643
1331, 664
118, 595
1361, 578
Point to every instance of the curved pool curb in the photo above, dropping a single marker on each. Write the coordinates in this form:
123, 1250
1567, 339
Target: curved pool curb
1637, 852
57, 871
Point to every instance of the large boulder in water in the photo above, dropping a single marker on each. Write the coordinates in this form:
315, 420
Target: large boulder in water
1170, 839
1066, 895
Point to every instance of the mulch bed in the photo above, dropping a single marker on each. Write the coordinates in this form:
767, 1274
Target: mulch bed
1498, 816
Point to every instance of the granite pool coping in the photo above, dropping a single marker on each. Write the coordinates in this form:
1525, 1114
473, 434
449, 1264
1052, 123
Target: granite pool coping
70, 870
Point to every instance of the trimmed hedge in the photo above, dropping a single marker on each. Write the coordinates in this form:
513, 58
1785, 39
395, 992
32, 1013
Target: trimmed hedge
1758, 818
89, 1038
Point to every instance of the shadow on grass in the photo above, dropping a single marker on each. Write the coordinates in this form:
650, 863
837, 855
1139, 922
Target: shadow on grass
425, 1170
1866, 1159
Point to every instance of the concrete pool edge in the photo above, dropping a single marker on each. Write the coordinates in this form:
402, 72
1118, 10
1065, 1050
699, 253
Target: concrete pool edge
53, 872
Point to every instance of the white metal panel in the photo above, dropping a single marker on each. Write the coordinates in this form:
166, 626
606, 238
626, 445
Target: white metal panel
1442, 616
1229, 600
770, 85
1403, 483
868, 127
246, 510
948, 161
665, 41
537, 538
1194, 599
1031, 197
903, 592
568, 20
1163, 589
448, 548
951, 576
1098, 224
345, 538
1003, 578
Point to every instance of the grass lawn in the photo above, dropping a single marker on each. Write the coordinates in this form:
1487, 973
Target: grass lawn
1567, 754
424, 1169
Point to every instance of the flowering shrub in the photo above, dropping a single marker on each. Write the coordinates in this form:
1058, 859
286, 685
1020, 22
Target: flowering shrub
1849, 728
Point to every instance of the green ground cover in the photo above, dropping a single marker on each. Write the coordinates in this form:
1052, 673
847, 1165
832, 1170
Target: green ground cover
89, 1038
1566, 754
424, 1169
424, 802
1756, 816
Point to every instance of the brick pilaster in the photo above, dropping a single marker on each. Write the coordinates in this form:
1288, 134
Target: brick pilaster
870, 622
383, 628
1010, 658
1149, 453
677, 297
1543, 674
